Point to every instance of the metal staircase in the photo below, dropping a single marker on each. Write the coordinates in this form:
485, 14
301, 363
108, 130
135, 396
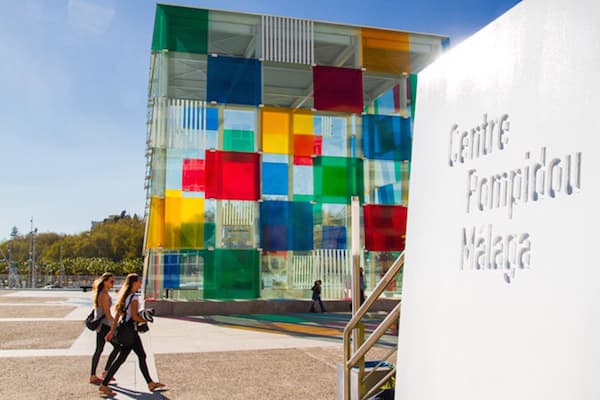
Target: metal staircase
371, 379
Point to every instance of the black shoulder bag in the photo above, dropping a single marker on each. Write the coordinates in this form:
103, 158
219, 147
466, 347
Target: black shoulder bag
125, 332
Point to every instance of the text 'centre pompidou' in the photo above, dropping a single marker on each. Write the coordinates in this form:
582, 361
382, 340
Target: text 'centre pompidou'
260, 131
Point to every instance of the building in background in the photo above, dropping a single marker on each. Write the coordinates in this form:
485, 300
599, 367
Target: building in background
260, 130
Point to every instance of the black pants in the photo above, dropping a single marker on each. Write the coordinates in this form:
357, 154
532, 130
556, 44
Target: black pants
138, 349
104, 329
314, 301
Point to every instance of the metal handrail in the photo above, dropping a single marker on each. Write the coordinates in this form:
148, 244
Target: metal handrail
350, 360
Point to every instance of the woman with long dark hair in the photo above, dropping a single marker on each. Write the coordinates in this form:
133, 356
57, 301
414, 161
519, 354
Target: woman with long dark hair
102, 304
128, 305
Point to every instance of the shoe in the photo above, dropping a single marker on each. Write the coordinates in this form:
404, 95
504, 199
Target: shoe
155, 385
105, 390
113, 379
94, 380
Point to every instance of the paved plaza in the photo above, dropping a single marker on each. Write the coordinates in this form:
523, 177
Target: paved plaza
45, 351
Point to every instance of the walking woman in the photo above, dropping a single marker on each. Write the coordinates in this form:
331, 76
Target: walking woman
102, 304
128, 304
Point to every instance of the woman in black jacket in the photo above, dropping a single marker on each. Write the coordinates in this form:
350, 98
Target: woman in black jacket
316, 296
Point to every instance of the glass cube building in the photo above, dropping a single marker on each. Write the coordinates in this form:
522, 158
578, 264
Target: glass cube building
260, 131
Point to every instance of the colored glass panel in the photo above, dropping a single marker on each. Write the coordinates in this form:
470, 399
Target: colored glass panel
234, 274
337, 179
232, 80
174, 170
338, 89
156, 224
193, 175
238, 140
413, 94
304, 145
303, 124
238, 130
171, 264
385, 227
274, 271
303, 180
232, 175
172, 219
283, 225
385, 51
334, 138
274, 178
275, 130
334, 237
386, 137
192, 223
180, 29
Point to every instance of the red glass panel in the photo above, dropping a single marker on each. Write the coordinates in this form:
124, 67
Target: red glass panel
303, 160
338, 89
385, 227
304, 145
193, 175
232, 175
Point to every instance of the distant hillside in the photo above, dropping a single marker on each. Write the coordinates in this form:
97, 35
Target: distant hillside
114, 244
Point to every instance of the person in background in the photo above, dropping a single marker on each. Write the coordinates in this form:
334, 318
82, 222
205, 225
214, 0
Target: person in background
316, 297
361, 285
128, 304
102, 303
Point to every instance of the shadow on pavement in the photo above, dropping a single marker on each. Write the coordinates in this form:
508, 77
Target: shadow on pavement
134, 394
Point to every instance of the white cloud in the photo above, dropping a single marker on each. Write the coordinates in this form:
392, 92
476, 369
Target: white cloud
89, 17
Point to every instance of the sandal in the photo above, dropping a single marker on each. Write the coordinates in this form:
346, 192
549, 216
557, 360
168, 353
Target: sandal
112, 379
94, 380
105, 390
155, 385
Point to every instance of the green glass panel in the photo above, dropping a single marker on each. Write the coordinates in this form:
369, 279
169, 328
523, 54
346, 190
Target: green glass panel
208, 272
234, 275
180, 29
413, 94
303, 197
238, 140
209, 234
191, 233
337, 179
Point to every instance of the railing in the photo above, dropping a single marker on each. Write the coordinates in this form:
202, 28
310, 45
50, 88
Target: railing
356, 357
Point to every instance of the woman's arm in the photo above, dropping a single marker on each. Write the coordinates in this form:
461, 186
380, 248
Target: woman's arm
109, 335
134, 312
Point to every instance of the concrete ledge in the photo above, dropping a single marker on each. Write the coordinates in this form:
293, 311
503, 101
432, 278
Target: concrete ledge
259, 306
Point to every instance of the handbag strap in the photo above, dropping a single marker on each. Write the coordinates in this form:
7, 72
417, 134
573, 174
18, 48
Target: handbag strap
127, 304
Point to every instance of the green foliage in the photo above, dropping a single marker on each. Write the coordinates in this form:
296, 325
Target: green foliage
113, 245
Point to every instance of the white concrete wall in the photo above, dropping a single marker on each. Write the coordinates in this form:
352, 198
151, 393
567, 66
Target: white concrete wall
522, 325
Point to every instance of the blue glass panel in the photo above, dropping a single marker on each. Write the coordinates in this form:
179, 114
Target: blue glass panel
171, 271
334, 237
301, 219
233, 80
239, 120
212, 119
386, 137
174, 169
283, 225
274, 178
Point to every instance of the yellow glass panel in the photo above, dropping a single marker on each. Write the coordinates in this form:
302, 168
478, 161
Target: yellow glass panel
192, 226
156, 224
275, 130
172, 219
385, 51
303, 124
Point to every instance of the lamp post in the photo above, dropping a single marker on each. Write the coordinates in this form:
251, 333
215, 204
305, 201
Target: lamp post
32, 233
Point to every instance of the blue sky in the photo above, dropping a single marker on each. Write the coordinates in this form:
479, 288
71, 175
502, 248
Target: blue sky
74, 77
